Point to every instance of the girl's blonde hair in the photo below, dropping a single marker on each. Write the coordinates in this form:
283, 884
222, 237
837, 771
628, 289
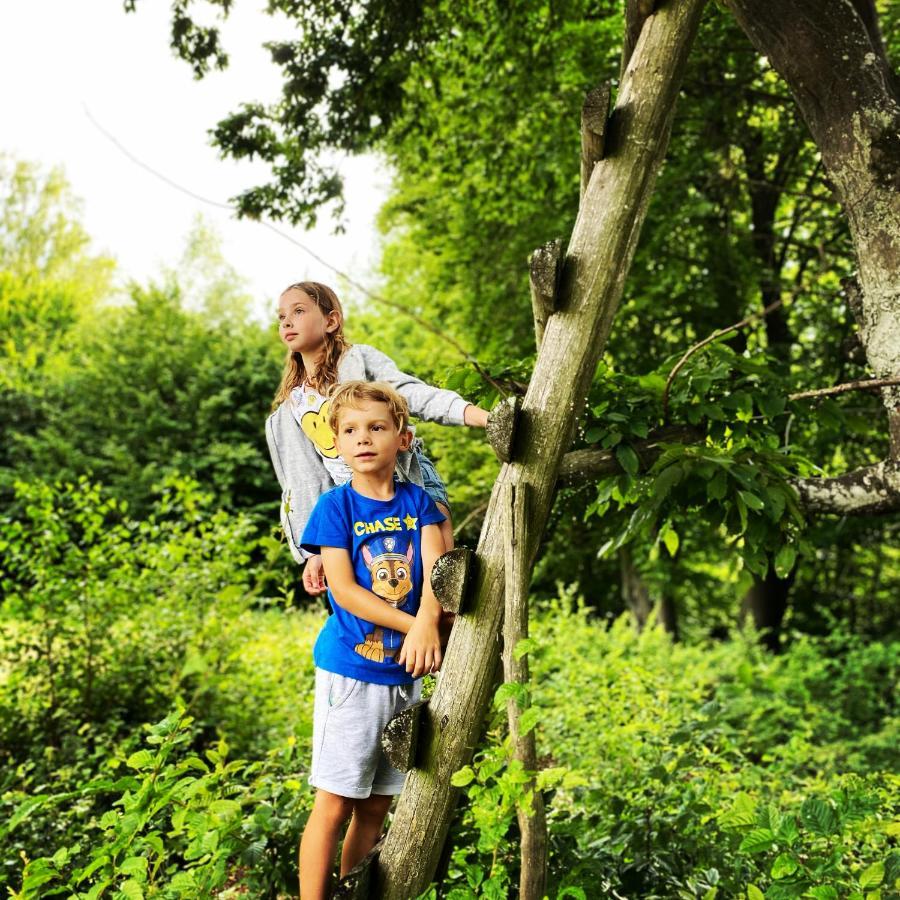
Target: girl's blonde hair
326, 375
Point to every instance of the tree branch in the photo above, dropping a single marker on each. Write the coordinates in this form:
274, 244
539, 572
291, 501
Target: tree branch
865, 384
867, 491
580, 466
716, 334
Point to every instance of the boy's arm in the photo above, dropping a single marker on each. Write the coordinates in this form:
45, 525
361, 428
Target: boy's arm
355, 598
421, 650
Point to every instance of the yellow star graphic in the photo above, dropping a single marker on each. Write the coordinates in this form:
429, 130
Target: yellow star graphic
410, 522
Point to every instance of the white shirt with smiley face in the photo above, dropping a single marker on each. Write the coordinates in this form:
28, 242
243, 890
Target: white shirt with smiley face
310, 410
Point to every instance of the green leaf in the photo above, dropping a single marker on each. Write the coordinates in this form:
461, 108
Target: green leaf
670, 539
525, 646
757, 841
143, 759
872, 876
787, 832
529, 719
754, 893
628, 459
784, 864
132, 890
134, 865
775, 501
752, 501
510, 690
717, 486
818, 817
784, 560
463, 777
665, 481
183, 884
225, 808
823, 892
742, 812
742, 511
770, 405
23, 811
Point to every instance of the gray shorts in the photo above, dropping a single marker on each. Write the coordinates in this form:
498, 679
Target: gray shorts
348, 719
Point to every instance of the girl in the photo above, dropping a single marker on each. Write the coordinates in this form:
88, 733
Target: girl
311, 324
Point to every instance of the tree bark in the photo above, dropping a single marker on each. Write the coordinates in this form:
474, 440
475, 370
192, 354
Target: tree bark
830, 54
766, 603
598, 258
862, 492
635, 595
533, 823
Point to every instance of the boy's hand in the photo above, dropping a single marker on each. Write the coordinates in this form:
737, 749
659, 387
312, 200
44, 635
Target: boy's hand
421, 650
314, 576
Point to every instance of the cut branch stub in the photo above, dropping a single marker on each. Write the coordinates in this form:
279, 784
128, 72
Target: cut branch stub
401, 736
450, 577
594, 116
545, 266
501, 427
636, 13
357, 884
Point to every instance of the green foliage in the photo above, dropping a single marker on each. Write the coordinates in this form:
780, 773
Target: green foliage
676, 771
183, 825
105, 621
159, 390
738, 475
101, 608
657, 761
42, 239
823, 849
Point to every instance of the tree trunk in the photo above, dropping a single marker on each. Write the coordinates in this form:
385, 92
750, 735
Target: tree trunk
766, 603
634, 592
533, 821
831, 56
598, 258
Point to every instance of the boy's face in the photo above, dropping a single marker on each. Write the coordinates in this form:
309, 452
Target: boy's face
369, 440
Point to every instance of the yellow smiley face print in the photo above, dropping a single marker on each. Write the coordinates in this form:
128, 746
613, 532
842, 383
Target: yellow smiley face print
315, 427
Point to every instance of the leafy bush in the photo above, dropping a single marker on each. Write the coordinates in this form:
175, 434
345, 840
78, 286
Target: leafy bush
183, 825
647, 744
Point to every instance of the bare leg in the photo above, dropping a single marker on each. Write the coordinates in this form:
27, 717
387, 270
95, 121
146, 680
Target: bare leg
319, 843
365, 829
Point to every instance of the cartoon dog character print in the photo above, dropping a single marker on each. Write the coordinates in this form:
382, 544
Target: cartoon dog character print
315, 426
392, 581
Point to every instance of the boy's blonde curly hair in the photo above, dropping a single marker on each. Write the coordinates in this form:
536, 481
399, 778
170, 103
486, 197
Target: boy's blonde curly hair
351, 394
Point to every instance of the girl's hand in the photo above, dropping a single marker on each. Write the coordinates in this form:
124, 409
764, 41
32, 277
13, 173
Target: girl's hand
314, 576
475, 416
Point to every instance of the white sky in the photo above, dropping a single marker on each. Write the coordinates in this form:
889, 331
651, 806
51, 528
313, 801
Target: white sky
58, 57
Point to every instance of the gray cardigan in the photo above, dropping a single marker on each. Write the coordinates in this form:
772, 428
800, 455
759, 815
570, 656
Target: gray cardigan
299, 468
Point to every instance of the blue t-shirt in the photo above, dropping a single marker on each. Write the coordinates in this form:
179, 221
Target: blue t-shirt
384, 540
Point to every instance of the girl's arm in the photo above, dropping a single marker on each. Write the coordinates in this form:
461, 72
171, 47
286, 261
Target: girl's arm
355, 598
301, 474
425, 401
475, 416
421, 651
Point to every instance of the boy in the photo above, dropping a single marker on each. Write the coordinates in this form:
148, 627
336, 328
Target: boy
379, 539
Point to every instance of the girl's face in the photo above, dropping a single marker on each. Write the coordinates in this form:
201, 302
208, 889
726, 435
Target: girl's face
301, 324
